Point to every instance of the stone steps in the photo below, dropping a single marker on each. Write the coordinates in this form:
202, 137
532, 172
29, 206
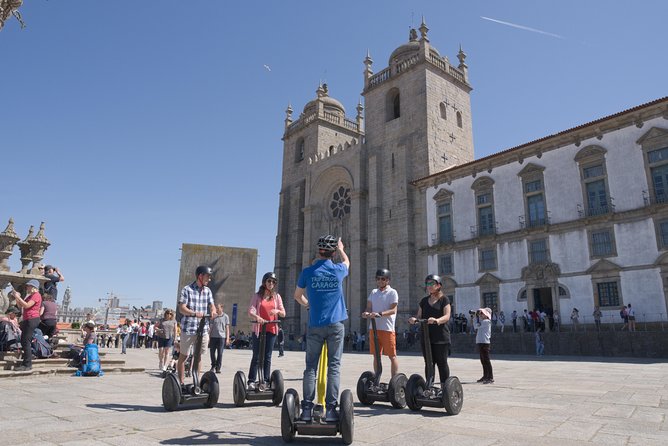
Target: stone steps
65, 371
11, 364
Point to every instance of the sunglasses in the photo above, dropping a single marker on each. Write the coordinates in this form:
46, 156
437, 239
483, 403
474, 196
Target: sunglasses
271, 281
430, 283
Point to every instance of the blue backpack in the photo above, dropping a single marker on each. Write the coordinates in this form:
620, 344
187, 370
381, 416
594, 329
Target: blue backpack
90, 361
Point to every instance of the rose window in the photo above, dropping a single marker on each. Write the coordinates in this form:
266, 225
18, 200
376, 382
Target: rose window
340, 204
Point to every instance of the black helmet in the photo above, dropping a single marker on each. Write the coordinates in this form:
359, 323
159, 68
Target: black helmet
203, 270
435, 278
269, 275
383, 272
328, 243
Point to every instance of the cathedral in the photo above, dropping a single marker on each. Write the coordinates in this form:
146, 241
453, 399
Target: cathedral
573, 220
350, 176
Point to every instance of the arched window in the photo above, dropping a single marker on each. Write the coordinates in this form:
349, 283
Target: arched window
444, 110
393, 108
299, 150
459, 119
331, 150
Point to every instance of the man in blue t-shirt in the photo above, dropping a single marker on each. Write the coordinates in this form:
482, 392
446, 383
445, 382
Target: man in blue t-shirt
322, 283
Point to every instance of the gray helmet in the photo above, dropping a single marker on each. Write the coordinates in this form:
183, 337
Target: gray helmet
328, 243
435, 278
203, 270
269, 275
383, 272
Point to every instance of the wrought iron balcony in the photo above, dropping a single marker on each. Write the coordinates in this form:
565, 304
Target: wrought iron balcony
595, 211
529, 223
484, 230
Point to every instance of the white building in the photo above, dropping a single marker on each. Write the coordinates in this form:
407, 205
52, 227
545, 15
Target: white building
574, 220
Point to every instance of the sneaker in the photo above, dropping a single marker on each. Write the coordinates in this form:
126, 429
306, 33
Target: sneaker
251, 386
488, 381
217, 371
306, 415
481, 380
23, 368
331, 415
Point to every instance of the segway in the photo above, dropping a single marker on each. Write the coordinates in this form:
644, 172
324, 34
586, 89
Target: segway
273, 392
369, 387
204, 391
420, 393
291, 424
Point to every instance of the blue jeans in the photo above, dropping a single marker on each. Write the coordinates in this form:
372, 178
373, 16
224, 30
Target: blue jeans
268, 349
124, 342
333, 334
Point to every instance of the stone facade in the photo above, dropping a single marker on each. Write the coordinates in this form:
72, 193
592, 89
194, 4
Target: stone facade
578, 219
353, 180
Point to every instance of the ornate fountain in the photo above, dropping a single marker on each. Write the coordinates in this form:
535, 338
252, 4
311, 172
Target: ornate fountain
32, 250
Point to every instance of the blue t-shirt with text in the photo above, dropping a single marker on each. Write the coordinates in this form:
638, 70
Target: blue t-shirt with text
323, 284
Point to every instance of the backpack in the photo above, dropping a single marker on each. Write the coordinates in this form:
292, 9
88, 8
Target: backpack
8, 338
41, 349
90, 361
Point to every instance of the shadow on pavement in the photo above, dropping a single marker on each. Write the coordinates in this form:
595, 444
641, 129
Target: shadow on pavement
126, 407
202, 437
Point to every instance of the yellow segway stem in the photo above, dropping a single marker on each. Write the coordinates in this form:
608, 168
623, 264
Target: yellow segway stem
322, 376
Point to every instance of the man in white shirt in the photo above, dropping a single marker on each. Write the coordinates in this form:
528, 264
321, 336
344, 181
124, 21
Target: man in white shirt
382, 304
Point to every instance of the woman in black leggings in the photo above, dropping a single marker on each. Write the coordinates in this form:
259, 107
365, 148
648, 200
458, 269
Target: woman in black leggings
436, 309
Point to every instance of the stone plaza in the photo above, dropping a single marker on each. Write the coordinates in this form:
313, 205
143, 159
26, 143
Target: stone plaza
548, 401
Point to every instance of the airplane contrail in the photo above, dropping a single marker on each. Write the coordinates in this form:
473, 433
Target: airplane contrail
525, 28
267, 67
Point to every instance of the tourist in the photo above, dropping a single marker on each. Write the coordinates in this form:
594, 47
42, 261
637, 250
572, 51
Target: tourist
55, 276
194, 302
124, 331
31, 305
540, 343
623, 313
513, 316
141, 334
266, 305
435, 307
632, 318
166, 331
322, 283
502, 320
575, 319
597, 318
495, 319
557, 321
150, 335
483, 339
382, 305
219, 338
13, 340
49, 317
134, 334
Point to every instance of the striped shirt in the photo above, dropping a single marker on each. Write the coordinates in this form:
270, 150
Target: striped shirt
198, 300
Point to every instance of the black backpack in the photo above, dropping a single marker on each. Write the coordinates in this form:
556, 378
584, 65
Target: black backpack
8, 339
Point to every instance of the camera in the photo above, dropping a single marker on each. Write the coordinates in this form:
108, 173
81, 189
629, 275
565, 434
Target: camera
471, 312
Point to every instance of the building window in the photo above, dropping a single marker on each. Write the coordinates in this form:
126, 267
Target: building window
393, 106
663, 234
487, 259
608, 294
459, 120
299, 150
654, 144
444, 223
340, 202
445, 266
331, 150
484, 199
534, 196
602, 243
490, 300
444, 110
539, 251
591, 160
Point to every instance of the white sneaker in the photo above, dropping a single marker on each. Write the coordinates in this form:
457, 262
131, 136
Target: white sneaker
251, 386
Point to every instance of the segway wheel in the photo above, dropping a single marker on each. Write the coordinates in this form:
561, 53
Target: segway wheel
397, 391
347, 417
211, 387
415, 388
239, 389
289, 415
277, 386
363, 385
171, 392
453, 395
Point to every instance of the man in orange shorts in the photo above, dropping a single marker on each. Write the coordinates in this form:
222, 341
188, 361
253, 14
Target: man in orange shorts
382, 304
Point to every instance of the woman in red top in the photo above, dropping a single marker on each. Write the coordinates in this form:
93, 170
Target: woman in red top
31, 307
266, 305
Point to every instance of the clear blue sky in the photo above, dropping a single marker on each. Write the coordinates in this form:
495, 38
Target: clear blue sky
133, 127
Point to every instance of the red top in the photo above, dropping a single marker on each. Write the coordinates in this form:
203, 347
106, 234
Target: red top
33, 312
265, 307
